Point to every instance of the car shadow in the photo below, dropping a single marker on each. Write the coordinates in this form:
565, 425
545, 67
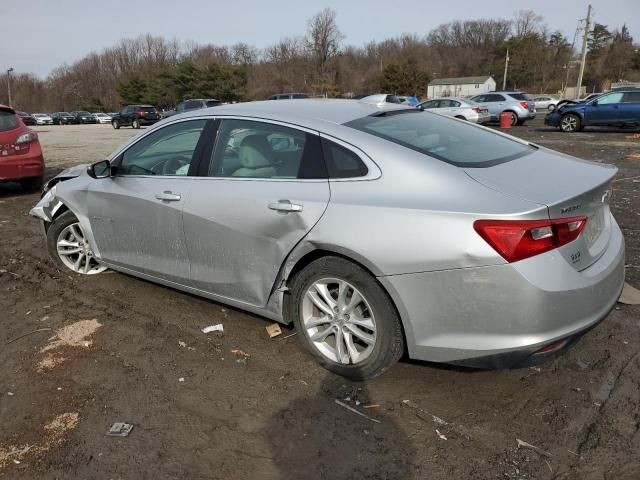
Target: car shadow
314, 437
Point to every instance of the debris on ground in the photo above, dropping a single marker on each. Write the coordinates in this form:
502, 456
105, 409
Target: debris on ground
181, 379
289, 336
423, 414
29, 333
182, 344
441, 436
120, 429
74, 335
273, 330
213, 328
357, 412
240, 353
538, 450
630, 295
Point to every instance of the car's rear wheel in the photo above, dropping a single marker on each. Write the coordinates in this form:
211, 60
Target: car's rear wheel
115, 124
31, 184
513, 119
461, 117
69, 248
135, 123
345, 319
570, 123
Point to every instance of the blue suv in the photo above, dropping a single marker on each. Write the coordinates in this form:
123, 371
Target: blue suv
619, 107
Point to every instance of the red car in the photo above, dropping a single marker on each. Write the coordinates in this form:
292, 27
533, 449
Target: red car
20, 153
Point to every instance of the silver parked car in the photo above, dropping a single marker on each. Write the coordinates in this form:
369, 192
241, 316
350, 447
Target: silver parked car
546, 102
376, 230
518, 105
461, 108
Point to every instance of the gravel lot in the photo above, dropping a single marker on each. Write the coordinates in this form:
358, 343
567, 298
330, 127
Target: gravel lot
131, 351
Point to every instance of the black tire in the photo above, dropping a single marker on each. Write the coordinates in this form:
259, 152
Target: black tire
59, 224
520, 123
461, 117
135, 123
115, 124
570, 123
389, 345
31, 184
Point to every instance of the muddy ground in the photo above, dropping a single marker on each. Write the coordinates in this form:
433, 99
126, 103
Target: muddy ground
133, 351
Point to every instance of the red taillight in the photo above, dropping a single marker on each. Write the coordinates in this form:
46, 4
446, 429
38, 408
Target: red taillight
20, 146
477, 109
525, 105
519, 239
142, 113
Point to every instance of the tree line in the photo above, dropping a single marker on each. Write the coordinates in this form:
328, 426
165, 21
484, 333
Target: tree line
162, 72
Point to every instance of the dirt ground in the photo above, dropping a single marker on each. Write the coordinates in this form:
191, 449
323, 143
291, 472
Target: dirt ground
112, 348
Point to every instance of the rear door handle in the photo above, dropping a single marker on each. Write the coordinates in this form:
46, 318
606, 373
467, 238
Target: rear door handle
168, 196
285, 206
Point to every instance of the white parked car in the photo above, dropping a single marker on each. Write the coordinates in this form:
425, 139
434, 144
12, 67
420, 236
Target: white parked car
457, 107
42, 119
546, 102
102, 117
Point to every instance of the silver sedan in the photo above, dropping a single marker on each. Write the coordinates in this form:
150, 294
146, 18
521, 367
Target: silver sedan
461, 108
378, 231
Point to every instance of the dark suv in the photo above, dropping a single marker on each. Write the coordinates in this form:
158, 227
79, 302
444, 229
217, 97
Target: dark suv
83, 117
135, 116
62, 118
193, 104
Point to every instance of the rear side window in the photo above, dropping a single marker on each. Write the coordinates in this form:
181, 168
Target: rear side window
493, 98
520, 96
8, 121
213, 103
342, 162
449, 140
631, 97
300, 95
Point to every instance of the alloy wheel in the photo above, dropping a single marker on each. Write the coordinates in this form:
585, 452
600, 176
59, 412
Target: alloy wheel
339, 321
75, 252
569, 123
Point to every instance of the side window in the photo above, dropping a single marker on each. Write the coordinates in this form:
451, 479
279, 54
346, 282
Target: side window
445, 103
494, 98
611, 98
479, 98
631, 97
454, 103
341, 162
249, 149
168, 151
431, 104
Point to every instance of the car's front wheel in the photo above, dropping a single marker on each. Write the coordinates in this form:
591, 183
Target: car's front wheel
115, 124
570, 123
69, 248
135, 123
345, 319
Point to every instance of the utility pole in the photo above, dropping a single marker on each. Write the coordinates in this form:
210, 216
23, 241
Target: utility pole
587, 27
9, 84
506, 67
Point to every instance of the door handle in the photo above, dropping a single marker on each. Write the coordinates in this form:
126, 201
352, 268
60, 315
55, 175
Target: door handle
285, 206
168, 196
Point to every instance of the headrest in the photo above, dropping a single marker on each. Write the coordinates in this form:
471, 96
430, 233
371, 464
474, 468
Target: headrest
255, 152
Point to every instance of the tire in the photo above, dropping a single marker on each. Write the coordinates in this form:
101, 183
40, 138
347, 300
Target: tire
58, 230
461, 117
513, 118
570, 123
385, 340
135, 123
115, 124
31, 184
520, 123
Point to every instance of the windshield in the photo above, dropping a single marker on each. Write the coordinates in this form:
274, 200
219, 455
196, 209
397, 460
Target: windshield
8, 121
449, 140
84, 113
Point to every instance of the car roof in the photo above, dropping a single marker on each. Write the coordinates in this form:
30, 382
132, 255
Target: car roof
7, 108
304, 112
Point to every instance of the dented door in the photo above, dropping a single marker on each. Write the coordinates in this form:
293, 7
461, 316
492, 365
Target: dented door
239, 231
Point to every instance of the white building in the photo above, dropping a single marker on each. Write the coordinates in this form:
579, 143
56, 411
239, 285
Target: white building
460, 87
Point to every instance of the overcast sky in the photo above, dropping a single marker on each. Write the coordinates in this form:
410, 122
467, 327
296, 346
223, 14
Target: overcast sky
39, 35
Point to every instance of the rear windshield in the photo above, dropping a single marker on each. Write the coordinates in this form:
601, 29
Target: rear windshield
8, 121
449, 140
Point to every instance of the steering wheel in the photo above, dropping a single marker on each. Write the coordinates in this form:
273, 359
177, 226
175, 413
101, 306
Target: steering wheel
171, 166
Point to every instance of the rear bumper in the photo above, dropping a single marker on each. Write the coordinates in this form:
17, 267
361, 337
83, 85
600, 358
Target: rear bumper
22, 166
147, 121
500, 315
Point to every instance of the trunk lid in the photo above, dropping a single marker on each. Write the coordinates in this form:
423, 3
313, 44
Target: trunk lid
568, 186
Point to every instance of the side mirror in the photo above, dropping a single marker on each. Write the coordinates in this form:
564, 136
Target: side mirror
100, 169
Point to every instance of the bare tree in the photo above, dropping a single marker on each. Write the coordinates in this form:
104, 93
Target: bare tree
526, 22
323, 42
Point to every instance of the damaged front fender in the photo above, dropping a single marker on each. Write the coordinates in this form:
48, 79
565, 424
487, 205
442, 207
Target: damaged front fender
48, 206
